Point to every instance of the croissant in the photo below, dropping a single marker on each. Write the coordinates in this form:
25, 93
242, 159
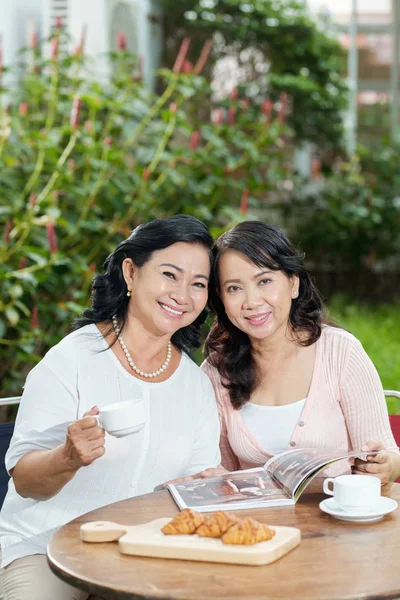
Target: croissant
216, 524
186, 522
246, 532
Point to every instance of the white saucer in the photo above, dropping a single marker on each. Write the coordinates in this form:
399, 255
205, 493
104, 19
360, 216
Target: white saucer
384, 507
127, 431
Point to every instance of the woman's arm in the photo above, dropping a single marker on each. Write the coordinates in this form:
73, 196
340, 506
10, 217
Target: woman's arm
364, 407
41, 474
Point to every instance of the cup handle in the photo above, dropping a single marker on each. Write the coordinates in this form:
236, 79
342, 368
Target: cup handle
327, 489
99, 423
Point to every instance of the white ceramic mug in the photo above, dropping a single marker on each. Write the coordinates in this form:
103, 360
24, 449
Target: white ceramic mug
122, 418
354, 493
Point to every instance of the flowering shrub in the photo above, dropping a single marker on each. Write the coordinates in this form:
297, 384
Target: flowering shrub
82, 163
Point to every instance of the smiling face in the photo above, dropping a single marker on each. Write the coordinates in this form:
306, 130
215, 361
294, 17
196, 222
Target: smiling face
256, 300
171, 289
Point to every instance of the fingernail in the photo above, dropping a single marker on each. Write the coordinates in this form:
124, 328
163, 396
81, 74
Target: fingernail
365, 448
95, 406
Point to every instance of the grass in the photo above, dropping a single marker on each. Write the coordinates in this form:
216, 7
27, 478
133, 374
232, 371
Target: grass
378, 329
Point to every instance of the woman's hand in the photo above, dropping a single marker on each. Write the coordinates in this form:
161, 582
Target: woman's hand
85, 441
379, 465
213, 472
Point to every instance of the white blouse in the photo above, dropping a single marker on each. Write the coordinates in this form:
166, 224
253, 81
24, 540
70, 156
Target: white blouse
180, 437
272, 426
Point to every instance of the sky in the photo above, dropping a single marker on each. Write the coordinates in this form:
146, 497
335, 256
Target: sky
344, 6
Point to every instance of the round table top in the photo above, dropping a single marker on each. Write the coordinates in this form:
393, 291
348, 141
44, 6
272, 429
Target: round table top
335, 559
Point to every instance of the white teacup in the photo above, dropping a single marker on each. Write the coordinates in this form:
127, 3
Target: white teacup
122, 418
354, 493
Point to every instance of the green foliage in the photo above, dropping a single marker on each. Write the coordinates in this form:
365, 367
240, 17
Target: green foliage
279, 48
377, 329
82, 163
350, 220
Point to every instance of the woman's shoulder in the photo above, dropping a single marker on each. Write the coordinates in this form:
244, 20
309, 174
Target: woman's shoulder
331, 335
87, 339
338, 344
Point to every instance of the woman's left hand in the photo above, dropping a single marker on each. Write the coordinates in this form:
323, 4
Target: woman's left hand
379, 465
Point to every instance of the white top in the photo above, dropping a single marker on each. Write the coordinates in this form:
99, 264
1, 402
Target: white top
272, 426
180, 437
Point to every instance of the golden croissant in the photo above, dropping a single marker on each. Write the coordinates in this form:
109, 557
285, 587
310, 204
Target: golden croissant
247, 531
216, 524
186, 522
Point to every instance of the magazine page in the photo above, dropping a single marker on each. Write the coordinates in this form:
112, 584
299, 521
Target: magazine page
293, 468
230, 491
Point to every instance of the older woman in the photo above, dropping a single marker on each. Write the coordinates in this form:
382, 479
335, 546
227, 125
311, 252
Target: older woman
133, 343
283, 377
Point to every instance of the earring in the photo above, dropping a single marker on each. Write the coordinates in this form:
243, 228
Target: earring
128, 293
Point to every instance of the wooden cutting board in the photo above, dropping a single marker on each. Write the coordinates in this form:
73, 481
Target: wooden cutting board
148, 540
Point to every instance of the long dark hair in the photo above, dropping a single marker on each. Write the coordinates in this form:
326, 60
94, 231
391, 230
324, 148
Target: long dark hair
227, 347
109, 289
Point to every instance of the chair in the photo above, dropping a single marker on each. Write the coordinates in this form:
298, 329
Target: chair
394, 419
6, 432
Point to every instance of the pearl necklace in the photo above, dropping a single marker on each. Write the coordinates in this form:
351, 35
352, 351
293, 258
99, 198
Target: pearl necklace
129, 357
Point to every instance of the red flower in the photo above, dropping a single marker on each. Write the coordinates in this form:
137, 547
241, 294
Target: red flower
244, 202
23, 108
92, 267
71, 164
187, 66
1, 57
53, 48
22, 263
194, 140
32, 199
173, 107
183, 50
76, 107
267, 107
52, 238
7, 231
218, 116
35, 318
205, 51
121, 41
146, 173
33, 40
283, 108
108, 140
231, 115
234, 94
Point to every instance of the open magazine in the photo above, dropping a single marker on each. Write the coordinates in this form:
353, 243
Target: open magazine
279, 482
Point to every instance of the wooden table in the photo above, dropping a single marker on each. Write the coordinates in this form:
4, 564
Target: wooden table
335, 559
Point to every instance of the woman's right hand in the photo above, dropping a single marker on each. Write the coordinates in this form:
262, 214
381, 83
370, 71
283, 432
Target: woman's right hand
85, 441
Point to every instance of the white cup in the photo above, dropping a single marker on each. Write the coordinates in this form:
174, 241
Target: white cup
122, 418
354, 493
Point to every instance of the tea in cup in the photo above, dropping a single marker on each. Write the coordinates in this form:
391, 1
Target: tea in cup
122, 418
354, 493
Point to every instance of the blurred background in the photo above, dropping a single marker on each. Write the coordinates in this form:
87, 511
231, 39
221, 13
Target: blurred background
114, 112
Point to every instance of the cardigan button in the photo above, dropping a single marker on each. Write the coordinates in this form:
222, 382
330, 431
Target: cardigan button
301, 423
292, 444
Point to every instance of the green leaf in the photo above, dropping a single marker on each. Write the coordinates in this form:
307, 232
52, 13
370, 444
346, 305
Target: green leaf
12, 315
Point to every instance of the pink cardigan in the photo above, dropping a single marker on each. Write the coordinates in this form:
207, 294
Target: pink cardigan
345, 407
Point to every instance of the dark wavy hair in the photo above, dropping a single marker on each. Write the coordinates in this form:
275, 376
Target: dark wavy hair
228, 348
109, 289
